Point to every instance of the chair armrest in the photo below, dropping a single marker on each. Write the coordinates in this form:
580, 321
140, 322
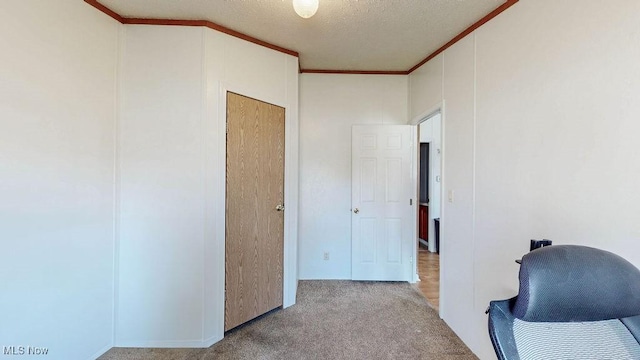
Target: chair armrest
501, 330
633, 324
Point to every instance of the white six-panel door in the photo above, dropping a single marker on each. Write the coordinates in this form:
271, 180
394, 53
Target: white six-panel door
381, 235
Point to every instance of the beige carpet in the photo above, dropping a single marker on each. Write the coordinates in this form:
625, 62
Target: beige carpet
333, 320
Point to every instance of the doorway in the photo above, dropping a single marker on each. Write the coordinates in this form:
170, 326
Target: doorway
429, 166
254, 245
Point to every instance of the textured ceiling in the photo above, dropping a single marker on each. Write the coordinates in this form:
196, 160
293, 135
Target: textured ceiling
382, 35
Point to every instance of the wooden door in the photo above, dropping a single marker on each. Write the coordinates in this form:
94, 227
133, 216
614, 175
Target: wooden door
382, 217
423, 227
254, 209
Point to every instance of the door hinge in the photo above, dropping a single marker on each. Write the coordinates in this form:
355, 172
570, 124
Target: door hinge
410, 202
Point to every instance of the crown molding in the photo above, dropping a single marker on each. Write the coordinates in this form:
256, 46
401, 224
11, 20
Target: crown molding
356, 72
220, 28
105, 10
176, 22
466, 32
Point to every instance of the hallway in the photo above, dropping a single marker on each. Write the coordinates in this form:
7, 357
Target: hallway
429, 272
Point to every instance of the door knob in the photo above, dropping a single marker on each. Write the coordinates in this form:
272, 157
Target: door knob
356, 210
280, 207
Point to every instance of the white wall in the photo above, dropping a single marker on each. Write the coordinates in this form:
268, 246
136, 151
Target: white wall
425, 87
456, 220
172, 185
161, 228
57, 114
540, 117
329, 106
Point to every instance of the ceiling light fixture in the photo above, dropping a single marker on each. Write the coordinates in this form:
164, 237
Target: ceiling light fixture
305, 8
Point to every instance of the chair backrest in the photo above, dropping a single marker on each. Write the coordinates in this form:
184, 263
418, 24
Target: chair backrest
570, 305
565, 283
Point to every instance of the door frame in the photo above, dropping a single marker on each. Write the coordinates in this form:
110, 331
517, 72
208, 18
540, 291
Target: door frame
415, 122
290, 259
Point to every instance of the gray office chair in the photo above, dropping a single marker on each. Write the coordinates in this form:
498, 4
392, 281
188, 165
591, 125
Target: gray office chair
574, 302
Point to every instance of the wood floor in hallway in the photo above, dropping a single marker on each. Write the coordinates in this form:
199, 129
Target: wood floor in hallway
429, 272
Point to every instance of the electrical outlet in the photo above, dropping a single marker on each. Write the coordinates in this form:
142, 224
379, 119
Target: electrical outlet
326, 256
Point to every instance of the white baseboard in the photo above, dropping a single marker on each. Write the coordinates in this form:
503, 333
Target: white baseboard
164, 344
212, 340
100, 352
167, 344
